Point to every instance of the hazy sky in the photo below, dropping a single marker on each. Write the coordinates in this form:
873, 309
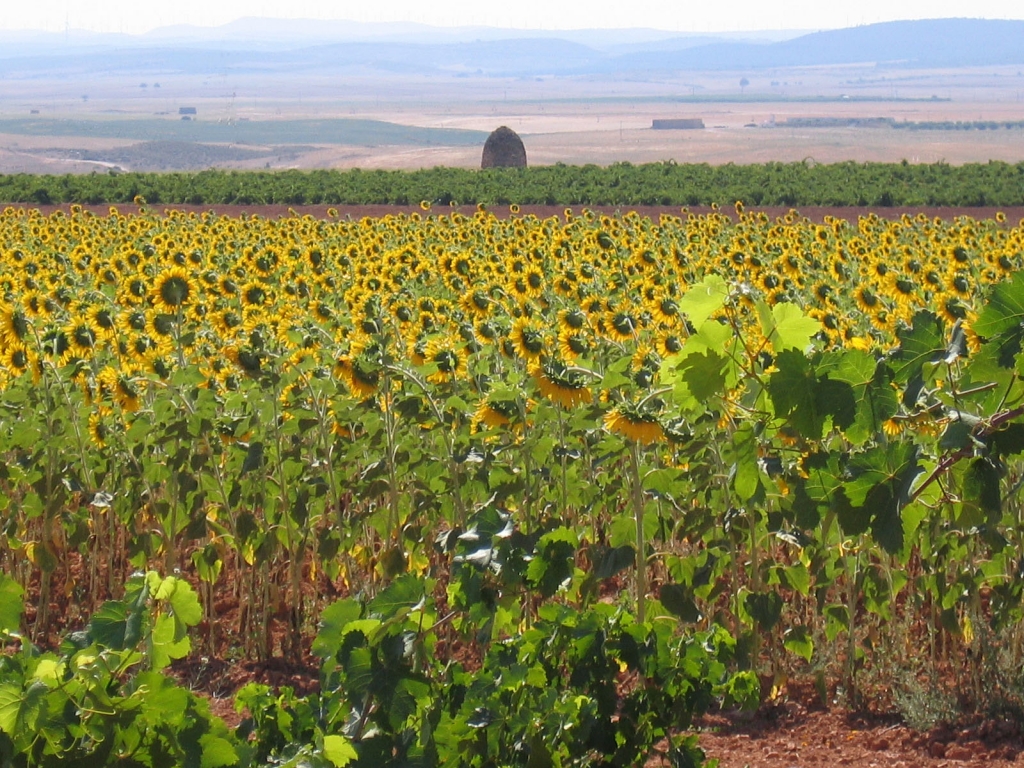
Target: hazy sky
694, 16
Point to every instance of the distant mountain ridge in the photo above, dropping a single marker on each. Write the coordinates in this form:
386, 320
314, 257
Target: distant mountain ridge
924, 44
929, 43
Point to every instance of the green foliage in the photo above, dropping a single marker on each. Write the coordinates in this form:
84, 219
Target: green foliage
102, 698
545, 695
779, 184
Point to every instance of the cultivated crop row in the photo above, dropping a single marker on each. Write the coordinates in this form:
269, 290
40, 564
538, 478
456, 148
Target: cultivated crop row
771, 184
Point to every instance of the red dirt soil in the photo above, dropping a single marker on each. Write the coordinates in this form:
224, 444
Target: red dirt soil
798, 732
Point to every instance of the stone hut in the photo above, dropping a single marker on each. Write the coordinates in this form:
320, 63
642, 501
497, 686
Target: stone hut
504, 149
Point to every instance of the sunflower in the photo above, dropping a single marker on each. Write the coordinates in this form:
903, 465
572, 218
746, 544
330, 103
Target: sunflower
534, 278
571, 320
249, 360
634, 423
621, 325
961, 285
14, 327
951, 308
225, 322
667, 344
665, 310
172, 290
496, 411
36, 304
132, 291
124, 387
227, 286
867, 300
103, 321
99, 426
17, 359
487, 332
562, 384
449, 358
81, 338
572, 344
475, 303
528, 338
254, 294
359, 372
902, 289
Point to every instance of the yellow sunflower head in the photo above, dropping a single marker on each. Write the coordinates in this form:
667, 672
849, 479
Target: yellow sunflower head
173, 289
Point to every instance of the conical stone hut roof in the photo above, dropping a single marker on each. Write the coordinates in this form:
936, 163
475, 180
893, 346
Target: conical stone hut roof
504, 149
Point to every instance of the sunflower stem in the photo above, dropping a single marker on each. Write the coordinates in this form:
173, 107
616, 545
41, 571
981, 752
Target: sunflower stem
638, 516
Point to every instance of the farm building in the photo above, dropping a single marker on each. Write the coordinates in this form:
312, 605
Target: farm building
678, 124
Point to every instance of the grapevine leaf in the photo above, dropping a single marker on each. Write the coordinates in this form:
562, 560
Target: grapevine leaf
359, 670
1004, 309
159, 588
807, 401
765, 608
10, 707
253, 457
185, 603
679, 600
791, 389
704, 299
662, 481
332, 623
922, 343
790, 328
1007, 441
797, 577
609, 561
875, 399
883, 478
12, 604
165, 701
804, 509
218, 751
853, 520
956, 436
836, 399
166, 644
18, 707
983, 500
108, 625
798, 640
339, 750
704, 374
402, 594
552, 567
49, 671
743, 454
540, 755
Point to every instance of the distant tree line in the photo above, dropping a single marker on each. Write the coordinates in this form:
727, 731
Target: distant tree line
668, 183
960, 125
910, 125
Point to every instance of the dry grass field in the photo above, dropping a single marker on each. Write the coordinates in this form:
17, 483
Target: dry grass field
561, 119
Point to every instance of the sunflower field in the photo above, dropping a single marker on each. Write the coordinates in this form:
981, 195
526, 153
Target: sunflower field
535, 491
